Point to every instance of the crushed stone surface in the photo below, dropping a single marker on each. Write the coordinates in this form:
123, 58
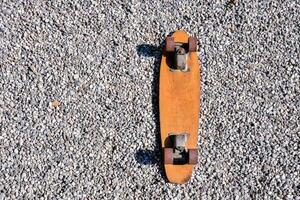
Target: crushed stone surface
100, 60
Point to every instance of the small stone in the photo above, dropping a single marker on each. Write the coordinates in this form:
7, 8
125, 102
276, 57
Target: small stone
55, 104
76, 76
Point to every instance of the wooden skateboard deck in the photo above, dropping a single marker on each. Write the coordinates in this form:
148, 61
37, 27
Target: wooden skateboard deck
179, 106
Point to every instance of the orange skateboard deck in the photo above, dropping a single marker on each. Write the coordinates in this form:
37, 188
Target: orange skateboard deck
179, 106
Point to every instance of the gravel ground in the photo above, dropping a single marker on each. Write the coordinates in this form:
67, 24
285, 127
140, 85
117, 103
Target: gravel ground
79, 99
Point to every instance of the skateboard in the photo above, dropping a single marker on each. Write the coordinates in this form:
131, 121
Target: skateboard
179, 106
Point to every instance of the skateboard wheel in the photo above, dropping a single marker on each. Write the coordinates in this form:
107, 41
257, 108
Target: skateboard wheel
192, 44
168, 155
193, 156
170, 44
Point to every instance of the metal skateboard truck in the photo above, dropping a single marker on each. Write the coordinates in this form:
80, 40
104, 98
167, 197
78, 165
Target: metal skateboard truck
181, 51
179, 154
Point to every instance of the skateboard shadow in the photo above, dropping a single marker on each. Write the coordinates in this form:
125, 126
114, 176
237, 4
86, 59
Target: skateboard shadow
146, 157
148, 50
151, 157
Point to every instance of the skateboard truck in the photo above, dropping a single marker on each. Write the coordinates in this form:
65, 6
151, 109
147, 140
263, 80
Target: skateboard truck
181, 57
180, 150
178, 153
180, 52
